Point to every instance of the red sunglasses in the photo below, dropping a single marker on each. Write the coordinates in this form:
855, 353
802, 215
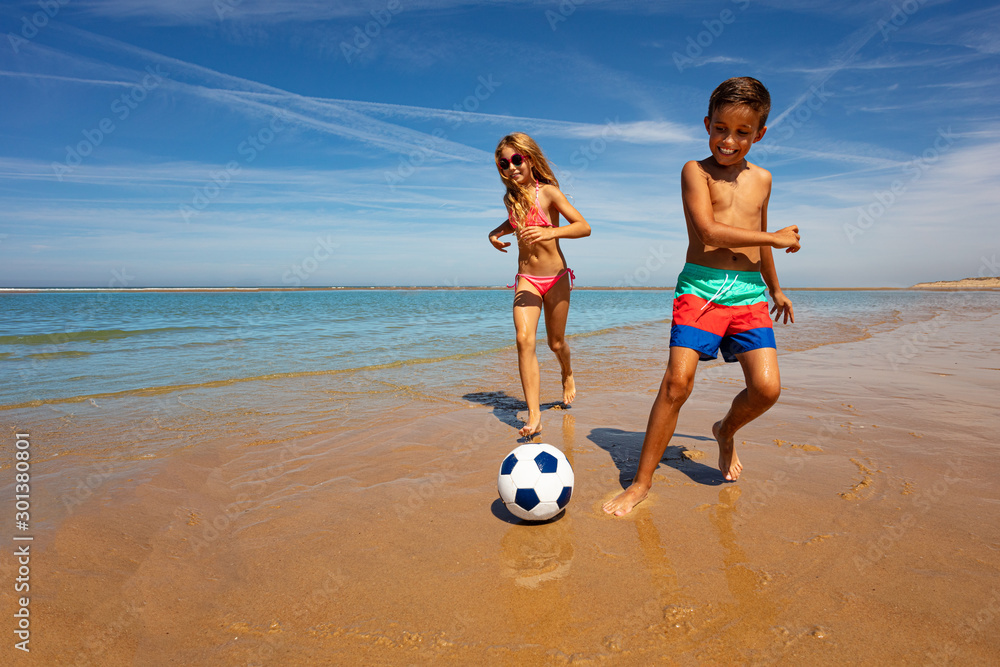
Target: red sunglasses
516, 159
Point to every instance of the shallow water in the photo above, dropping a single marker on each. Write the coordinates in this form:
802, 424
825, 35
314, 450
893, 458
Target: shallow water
59, 346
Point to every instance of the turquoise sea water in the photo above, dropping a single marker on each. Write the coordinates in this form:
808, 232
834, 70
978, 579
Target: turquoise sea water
60, 345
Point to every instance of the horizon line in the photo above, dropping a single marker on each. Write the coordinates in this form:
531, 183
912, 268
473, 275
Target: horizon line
945, 284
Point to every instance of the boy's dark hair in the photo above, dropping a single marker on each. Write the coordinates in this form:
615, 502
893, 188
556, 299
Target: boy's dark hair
742, 90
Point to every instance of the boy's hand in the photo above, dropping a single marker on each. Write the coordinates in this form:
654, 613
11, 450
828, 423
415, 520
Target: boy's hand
498, 244
787, 238
782, 306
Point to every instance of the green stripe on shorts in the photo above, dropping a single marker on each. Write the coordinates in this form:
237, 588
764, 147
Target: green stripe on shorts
738, 288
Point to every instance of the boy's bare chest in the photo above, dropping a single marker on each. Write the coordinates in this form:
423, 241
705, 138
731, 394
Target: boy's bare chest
739, 196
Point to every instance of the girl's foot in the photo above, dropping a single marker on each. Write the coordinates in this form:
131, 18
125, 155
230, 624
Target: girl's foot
533, 426
569, 389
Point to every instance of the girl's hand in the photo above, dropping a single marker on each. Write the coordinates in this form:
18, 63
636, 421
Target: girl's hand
498, 244
782, 306
530, 235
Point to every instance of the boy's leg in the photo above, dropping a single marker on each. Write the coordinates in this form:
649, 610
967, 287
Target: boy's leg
527, 309
674, 391
760, 370
556, 304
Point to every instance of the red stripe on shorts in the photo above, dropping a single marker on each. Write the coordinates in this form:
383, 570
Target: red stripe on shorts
717, 319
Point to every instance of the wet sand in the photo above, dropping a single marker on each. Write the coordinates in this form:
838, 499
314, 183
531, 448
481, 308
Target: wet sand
355, 520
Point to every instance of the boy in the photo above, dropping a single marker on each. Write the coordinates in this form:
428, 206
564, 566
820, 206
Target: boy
719, 300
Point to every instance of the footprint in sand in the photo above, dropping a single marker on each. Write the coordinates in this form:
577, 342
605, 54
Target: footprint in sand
862, 489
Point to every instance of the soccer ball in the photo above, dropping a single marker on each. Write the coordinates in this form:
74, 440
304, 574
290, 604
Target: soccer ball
535, 482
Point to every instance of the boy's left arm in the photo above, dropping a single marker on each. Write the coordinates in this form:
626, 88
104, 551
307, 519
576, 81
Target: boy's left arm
782, 304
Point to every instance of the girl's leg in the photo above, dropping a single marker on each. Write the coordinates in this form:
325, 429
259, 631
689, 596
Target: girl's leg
527, 309
556, 304
760, 370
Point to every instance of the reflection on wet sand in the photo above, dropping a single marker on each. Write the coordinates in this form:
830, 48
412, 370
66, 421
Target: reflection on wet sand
537, 559
753, 612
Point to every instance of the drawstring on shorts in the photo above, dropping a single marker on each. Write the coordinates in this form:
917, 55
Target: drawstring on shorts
722, 290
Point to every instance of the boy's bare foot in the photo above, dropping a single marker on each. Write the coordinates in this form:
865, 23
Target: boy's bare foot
623, 503
533, 426
729, 462
569, 389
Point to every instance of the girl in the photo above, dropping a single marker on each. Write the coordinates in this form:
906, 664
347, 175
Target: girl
543, 280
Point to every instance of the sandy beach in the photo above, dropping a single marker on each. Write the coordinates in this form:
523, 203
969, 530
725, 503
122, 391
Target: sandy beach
355, 520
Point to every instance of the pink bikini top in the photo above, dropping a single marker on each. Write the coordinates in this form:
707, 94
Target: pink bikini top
535, 217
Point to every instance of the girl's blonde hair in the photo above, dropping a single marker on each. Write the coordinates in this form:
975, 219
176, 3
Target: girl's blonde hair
519, 198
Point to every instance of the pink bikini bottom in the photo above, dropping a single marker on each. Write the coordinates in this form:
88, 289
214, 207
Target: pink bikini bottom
544, 283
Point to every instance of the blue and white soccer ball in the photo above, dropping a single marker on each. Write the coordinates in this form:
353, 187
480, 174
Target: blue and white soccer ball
535, 482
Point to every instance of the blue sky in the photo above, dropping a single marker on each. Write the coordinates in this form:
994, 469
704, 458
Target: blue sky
259, 142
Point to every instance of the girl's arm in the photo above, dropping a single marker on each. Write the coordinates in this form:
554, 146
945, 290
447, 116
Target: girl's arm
504, 229
782, 304
576, 228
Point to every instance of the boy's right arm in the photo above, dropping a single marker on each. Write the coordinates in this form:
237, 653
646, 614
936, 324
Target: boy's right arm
502, 230
698, 207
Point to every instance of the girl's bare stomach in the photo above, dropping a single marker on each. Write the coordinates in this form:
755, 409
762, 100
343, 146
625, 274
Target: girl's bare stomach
541, 259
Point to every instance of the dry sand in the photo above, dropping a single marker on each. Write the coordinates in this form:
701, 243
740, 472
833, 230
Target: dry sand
964, 283
267, 530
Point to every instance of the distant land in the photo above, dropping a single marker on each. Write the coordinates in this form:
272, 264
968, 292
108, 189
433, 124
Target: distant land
964, 283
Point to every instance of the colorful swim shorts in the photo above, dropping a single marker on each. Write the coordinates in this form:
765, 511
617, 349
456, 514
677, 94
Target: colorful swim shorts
723, 310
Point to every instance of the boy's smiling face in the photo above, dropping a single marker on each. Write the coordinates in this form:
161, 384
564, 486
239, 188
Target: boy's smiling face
732, 130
